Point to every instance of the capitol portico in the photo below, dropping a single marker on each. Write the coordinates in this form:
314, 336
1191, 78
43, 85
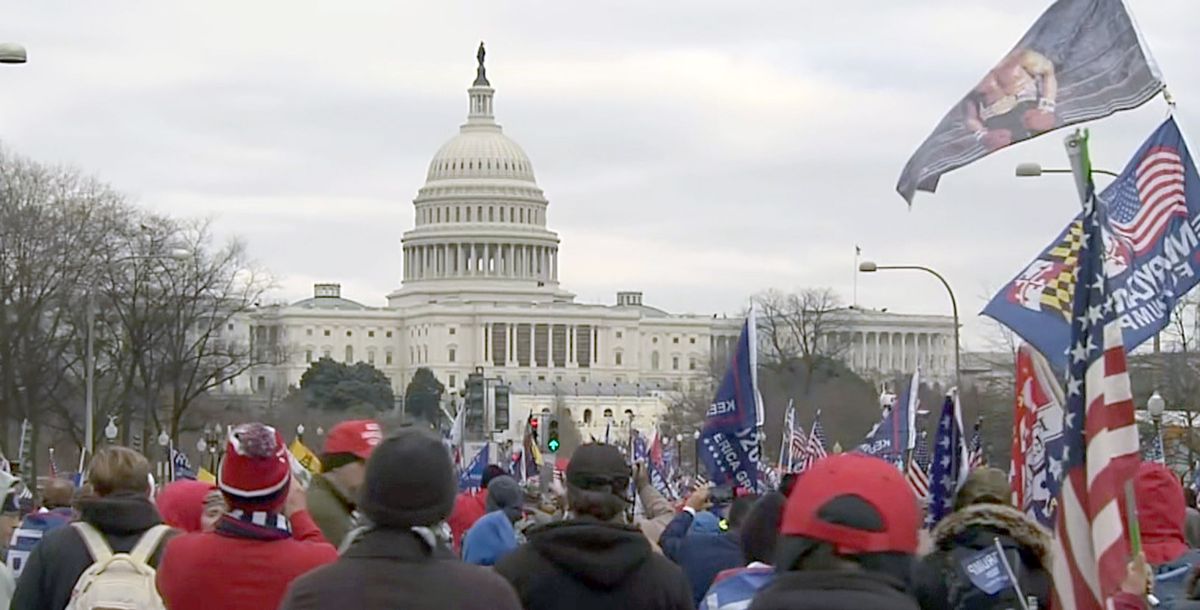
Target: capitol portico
479, 289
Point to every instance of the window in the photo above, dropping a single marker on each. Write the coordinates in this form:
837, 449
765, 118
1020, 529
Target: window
309, 332
675, 363
628, 413
654, 340
654, 360
587, 416
453, 381
325, 354
230, 327
326, 332
692, 340
607, 413
451, 354
691, 364
453, 331
349, 354
620, 335
349, 334
308, 355
675, 340
371, 333
618, 358
371, 357
389, 358
389, 334
262, 383
425, 353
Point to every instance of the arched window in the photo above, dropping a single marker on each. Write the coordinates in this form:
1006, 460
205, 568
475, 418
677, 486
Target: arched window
654, 361
457, 214
349, 354
628, 413
501, 214
619, 359
587, 417
607, 413
468, 213
491, 214
522, 215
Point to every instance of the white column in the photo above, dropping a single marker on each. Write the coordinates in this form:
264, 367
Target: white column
554, 267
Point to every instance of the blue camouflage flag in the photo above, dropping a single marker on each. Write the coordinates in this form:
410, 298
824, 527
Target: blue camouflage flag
950, 463
1151, 245
1082, 60
893, 436
182, 466
730, 433
471, 477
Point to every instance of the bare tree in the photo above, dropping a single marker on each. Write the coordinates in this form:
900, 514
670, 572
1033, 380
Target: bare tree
798, 330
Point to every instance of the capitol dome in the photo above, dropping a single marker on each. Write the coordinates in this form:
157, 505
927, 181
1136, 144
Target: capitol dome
478, 152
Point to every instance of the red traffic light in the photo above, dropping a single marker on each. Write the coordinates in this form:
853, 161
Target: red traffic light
534, 422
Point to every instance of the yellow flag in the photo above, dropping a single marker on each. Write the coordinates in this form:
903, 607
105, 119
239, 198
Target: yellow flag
206, 477
306, 457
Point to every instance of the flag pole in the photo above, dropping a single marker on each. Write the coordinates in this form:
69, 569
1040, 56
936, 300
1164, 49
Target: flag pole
785, 438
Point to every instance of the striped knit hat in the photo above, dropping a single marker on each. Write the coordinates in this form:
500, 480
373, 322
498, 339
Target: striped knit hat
255, 473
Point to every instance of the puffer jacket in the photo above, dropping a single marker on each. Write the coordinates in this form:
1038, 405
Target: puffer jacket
941, 580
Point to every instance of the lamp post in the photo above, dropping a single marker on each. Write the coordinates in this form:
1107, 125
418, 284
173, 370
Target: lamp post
1034, 170
12, 53
696, 447
1157, 406
89, 383
872, 267
300, 432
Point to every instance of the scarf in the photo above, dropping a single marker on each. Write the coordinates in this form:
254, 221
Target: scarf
257, 525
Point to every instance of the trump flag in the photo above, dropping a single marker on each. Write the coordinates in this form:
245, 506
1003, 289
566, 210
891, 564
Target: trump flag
1151, 244
730, 433
1082, 60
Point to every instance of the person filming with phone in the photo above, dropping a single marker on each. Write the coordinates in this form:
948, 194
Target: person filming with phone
700, 542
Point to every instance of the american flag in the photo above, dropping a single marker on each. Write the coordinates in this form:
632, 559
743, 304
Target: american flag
797, 444
53, 465
948, 471
1144, 201
977, 459
918, 467
1100, 450
816, 443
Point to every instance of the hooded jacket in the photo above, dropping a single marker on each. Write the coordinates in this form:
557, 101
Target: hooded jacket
1162, 512
58, 561
181, 503
491, 538
390, 568
942, 582
832, 590
584, 564
698, 545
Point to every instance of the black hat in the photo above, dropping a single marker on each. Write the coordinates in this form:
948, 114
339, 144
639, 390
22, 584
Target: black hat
596, 466
409, 481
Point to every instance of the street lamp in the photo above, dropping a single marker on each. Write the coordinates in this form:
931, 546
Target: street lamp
1033, 170
696, 447
872, 267
12, 53
110, 431
1157, 406
300, 432
89, 391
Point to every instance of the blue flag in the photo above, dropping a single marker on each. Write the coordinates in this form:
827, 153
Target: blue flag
893, 436
730, 434
471, 477
1151, 244
950, 465
182, 466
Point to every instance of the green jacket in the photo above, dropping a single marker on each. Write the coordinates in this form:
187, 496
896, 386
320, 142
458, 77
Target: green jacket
332, 512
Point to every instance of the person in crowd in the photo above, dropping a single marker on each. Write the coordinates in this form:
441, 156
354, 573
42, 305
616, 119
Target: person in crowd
847, 539
1191, 528
260, 546
657, 511
594, 559
733, 589
332, 494
120, 510
399, 562
694, 540
57, 498
1162, 512
495, 535
470, 506
182, 504
982, 515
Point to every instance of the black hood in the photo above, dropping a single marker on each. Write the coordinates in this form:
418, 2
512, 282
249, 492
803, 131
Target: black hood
119, 514
600, 555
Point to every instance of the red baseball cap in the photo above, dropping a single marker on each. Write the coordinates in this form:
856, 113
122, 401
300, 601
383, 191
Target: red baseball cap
869, 479
357, 437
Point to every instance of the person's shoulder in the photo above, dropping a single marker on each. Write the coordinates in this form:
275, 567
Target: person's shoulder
314, 552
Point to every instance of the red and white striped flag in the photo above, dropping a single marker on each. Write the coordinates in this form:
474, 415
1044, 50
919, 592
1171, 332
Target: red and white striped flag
1100, 450
816, 443
917, 472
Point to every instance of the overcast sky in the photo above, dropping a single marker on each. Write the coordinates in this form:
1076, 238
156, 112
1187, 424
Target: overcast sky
699, 151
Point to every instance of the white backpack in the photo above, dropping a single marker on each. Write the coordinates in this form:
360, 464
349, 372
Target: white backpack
117, 581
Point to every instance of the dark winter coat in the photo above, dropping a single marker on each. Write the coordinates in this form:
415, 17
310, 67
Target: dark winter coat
583, 564
702, 556
389, 568
825, 590
58, 561
941, 581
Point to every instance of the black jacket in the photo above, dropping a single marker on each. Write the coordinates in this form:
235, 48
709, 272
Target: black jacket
821, 590
941, 581
583, 564
390, 568
62, 557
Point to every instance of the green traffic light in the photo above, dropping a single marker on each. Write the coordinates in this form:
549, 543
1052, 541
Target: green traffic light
552, 445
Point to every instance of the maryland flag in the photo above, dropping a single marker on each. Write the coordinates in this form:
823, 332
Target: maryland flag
204, 476
305, 457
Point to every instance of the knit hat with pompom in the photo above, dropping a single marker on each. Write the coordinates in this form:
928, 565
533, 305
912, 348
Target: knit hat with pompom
255, 472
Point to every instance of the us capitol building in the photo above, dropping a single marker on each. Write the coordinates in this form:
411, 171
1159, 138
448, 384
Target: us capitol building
480, 289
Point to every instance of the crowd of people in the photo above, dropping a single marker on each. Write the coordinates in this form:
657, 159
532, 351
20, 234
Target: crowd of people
384, 526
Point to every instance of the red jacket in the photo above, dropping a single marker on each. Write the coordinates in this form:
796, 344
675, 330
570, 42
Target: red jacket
469, 507
202, 571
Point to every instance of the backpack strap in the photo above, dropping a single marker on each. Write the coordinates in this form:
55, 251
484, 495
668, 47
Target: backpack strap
92, 538
149, 541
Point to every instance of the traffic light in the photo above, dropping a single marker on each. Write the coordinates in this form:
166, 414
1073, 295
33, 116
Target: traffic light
501, 413
533, 428
552, 442
473, 402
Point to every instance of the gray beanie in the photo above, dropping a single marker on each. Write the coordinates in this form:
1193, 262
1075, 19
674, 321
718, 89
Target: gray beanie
409, 481
505, 494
